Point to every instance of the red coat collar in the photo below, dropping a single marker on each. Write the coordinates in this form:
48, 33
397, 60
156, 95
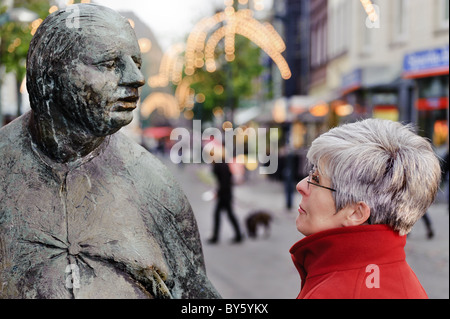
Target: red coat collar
347, 248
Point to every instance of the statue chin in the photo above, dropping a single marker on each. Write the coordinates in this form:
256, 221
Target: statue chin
113, 123
121, 118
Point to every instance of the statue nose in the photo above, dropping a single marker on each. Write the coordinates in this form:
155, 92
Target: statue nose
131, 75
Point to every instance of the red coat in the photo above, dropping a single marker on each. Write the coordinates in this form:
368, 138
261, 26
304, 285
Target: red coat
360, 262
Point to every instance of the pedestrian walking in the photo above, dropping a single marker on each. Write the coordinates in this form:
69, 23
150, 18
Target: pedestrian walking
444, 175
427, 220
223, 175
370, 182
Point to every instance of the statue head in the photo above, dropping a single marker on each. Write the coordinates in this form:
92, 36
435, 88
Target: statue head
83, 66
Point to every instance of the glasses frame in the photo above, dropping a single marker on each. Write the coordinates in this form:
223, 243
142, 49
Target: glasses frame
315, 184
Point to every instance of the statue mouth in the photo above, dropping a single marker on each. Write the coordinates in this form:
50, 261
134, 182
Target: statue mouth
126, 104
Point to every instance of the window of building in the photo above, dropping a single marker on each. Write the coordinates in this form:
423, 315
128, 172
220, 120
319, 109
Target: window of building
400, 23
443, 12
318, 44
339, 29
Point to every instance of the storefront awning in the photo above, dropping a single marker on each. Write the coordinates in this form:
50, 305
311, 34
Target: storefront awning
369, 77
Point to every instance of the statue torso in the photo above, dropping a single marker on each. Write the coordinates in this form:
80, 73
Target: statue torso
92, 229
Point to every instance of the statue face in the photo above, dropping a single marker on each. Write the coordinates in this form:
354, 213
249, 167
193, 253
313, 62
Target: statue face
100, 85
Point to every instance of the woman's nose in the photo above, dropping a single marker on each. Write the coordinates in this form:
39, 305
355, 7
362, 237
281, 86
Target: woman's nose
302, 186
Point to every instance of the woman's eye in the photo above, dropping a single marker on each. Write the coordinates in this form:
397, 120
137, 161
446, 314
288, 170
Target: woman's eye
315, 178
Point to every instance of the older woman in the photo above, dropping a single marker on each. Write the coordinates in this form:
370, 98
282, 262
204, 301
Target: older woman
370, 182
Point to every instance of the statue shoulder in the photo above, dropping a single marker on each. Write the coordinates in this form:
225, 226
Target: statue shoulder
15, 131
136, 156
14, 142
147, 171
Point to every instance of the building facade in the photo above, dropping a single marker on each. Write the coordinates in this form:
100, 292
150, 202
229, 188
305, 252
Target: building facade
394, 68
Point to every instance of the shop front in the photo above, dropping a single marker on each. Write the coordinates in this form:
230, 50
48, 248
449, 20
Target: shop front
372, 91
430, 71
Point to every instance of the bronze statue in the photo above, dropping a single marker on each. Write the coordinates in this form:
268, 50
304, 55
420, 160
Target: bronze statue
84, 211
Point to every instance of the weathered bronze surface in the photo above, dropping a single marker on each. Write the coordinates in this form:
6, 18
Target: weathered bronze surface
84, 211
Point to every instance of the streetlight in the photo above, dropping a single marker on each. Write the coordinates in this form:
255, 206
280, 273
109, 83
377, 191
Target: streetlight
21, 15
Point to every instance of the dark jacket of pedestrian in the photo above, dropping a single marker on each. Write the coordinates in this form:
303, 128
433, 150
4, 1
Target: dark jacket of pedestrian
359, 262
224, 180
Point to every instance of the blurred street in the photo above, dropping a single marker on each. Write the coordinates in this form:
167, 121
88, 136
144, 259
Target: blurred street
262, 268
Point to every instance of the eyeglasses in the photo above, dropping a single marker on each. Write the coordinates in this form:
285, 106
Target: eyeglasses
315, 178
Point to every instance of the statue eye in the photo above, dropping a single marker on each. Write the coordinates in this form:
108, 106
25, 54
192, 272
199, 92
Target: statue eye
109, 64
138, 62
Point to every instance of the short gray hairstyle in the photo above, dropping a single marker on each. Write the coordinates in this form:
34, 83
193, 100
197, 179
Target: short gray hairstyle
382, 163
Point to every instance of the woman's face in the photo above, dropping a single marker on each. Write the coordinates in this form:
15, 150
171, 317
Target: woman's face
317, 209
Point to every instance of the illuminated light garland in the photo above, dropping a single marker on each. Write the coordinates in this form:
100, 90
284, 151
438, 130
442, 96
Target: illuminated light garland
200, 51
210, 47
370, 10
263, 35
145, 45
53, 9
197, 37
184, 94
34, 25
163, 101
258, 5
170, 68
265, 45
230, 31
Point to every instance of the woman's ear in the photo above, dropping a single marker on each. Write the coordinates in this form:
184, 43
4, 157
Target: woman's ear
358, 214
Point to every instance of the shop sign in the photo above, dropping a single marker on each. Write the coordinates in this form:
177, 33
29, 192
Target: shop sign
426, 63
431, 104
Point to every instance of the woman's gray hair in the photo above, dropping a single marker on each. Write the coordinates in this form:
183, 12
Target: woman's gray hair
382, 163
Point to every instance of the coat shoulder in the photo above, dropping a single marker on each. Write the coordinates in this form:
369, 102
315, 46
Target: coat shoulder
334, 285
388, 281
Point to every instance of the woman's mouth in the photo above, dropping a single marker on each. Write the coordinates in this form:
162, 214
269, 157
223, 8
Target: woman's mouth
301, 210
